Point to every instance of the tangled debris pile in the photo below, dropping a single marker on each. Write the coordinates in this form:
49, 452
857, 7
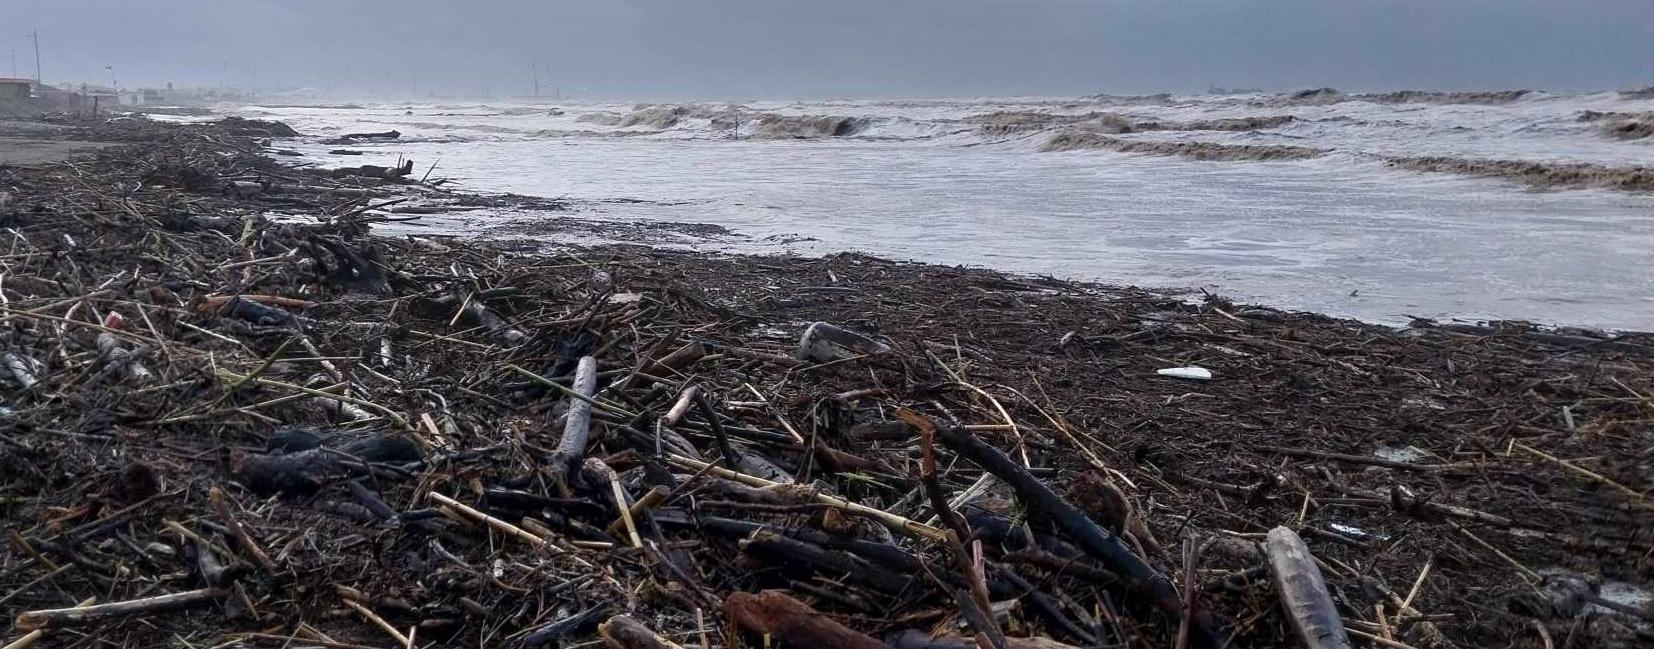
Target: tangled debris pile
216, 429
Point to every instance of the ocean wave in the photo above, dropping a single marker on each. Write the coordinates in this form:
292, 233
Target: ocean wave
732, 120
443, 126
1540, 175
1076, 140
772, 126
1011, 122
1623, 126
1326, 96
604, 118
566, 133
1639, 93
1160, 99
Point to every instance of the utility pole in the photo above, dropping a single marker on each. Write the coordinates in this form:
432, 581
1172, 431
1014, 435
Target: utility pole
36, 36
535, 66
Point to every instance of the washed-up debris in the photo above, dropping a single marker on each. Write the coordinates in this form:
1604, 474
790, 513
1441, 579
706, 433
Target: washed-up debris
823, 342
1194, 373
345, 440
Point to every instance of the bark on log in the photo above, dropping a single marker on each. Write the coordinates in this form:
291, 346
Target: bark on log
1115, 555
1303, 592
792, 622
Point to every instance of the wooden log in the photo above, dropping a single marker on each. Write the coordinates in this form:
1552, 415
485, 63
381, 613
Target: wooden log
1303, 592
782, 550
571, 448
65, 617
793, 623
622, 632
1142, 578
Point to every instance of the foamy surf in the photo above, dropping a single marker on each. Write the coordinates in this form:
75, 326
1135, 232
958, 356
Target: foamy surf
1381, 206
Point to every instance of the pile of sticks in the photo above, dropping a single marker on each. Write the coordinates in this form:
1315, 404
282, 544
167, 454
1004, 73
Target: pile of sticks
219, 428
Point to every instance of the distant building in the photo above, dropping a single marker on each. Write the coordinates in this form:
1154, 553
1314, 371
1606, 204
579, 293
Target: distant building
99, 97
15, 89
63, 98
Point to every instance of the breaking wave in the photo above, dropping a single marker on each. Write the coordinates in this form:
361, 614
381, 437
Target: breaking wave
731, 120
1640, 93
1011, 122
1325, 96
1074, 140
807, 126
1624, 126
1539, 175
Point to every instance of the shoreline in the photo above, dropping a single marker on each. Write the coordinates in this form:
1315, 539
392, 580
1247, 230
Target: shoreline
1392, 452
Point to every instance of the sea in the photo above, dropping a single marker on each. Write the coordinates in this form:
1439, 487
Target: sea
1295, 203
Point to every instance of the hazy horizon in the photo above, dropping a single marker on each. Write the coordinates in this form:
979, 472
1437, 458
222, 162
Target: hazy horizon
748, 49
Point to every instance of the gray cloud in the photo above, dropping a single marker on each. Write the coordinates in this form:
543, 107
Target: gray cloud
783, 48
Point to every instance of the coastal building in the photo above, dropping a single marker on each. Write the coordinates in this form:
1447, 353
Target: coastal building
15, 89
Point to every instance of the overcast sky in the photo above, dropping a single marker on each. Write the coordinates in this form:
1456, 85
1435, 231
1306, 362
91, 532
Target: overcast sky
750, 49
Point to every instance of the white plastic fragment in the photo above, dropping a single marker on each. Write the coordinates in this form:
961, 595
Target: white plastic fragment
1191, 372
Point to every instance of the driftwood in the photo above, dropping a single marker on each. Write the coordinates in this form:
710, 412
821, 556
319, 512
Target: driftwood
579, 624
1107, 548
62, 617
577, 424
1303, 592
305, 464
622, 632
793, 623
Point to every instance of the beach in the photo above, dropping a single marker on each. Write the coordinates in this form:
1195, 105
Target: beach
263, 391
